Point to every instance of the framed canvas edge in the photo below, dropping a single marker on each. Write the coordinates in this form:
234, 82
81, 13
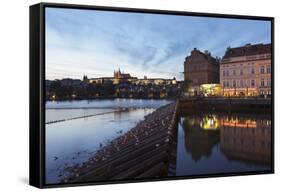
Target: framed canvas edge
41, 90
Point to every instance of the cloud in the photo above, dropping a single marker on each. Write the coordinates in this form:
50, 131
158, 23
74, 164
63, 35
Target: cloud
97, 42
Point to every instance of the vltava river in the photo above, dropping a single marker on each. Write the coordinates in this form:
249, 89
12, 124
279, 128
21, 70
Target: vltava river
73, 141
207, 143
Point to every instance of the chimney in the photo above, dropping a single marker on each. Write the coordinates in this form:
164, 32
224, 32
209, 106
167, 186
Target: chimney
207, 53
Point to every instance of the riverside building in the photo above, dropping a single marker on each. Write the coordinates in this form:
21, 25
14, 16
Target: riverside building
246, 71
200, 68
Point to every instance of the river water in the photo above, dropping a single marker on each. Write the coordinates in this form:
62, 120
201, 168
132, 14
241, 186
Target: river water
207, 143
72, 142
210, 143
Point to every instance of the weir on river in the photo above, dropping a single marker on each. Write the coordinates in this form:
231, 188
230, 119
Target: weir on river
147, 150
86, 116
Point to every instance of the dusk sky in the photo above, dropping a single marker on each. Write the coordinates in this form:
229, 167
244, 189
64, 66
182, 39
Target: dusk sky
96, 43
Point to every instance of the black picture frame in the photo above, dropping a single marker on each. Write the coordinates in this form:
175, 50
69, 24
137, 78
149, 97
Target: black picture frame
37, 89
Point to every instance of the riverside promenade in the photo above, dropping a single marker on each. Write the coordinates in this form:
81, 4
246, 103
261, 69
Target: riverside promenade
147, 150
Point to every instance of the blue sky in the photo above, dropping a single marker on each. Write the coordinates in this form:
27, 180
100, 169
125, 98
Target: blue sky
95, 43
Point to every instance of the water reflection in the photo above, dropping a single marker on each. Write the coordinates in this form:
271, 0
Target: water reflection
246, 139
217, 143
200, 135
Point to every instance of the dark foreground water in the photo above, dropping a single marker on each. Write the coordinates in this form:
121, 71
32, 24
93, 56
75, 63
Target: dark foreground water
217, 143
74, 141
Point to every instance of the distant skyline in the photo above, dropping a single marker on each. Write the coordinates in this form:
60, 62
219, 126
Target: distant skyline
95, 43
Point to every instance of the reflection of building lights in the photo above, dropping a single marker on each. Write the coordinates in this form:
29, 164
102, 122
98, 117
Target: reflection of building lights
209, 123
236, 123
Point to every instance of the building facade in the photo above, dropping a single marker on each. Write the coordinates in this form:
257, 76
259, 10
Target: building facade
119, 75
246, 71
117, 78
201, 68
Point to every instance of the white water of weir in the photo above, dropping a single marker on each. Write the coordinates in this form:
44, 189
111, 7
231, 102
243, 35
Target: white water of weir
58, 111
84, 116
